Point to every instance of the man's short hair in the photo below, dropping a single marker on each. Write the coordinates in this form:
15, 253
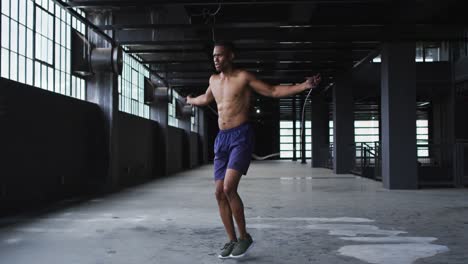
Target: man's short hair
227, 44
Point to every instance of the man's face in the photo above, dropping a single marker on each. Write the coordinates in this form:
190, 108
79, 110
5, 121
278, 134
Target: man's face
222, 57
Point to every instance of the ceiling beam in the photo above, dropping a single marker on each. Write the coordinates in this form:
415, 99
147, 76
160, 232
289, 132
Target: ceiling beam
274, 25
150, 3
198, 41
314, 60
256, 50
240, 25
435, 33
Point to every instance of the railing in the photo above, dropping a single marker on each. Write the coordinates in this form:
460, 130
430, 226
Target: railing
437, 164
364, 157
329, 159
378, 163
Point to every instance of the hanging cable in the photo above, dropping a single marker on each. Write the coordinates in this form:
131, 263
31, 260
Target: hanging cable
303, 109
206, 12
303, 115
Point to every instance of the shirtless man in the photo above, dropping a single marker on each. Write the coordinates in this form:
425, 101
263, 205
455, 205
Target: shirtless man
231, 89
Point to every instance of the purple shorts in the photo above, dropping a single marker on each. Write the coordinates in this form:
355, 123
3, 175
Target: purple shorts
233, 150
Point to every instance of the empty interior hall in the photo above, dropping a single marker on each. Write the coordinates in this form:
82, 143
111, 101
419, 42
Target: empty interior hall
102, 161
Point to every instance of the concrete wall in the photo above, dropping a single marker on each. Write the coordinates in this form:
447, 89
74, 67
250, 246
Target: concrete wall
461, 70
194, 151
52, 146
138, 146
266, 128
175, 149
148, 150
430, 78
461, 99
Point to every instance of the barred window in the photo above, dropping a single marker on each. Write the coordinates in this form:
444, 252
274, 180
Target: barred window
35, 46
286, 139
172, 119
131, 87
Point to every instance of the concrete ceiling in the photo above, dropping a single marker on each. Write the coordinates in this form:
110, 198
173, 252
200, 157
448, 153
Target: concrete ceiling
279, 41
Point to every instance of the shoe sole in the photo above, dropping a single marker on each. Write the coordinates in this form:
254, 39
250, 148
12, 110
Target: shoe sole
221, 257
245, 253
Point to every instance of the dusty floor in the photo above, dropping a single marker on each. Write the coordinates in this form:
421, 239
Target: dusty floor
296, 215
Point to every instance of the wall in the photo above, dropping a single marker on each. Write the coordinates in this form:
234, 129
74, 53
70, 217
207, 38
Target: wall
137, 149
266, 128
175, 150
461, 70
431, 78
143, 144
52, 146
461, 98
194, 152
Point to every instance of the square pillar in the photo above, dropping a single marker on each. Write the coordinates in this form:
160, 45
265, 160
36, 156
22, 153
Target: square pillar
320, 132
398, 116
102, 89
343, 124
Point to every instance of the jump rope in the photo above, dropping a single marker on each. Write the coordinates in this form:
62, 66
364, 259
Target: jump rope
207, 13
257, 157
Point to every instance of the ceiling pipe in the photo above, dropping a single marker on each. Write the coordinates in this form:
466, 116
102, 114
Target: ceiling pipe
100, 32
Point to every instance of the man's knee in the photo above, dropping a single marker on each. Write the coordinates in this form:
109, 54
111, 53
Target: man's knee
220, 196
229, 192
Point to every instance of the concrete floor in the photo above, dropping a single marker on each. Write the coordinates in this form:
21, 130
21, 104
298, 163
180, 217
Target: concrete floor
296, 215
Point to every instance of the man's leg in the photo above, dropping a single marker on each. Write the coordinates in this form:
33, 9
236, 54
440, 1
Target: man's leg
225, 210
231, 182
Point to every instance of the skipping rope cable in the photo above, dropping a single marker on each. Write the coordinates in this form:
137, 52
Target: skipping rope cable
255, 156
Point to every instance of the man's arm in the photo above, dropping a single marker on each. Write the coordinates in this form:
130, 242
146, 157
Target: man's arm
281, 90
203, 99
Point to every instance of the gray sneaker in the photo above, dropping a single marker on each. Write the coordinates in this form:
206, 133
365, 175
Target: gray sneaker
241, 247
227, 249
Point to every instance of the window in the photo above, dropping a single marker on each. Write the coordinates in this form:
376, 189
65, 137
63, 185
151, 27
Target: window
422, 138
287, 139
43, 39
425, 52
35, 46
131, 87
172, 120
194, 120
367, 131
432, 54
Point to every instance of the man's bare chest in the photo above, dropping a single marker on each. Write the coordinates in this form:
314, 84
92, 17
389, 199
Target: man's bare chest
229, 90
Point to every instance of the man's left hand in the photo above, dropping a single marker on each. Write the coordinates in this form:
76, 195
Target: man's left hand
312, 82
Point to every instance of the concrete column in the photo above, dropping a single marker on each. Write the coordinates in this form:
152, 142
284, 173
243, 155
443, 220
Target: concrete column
185, 124
320, 131
398, 99
102, 89
158, 113
343, 124
441, 129
203, 131
294, 115
303, 137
